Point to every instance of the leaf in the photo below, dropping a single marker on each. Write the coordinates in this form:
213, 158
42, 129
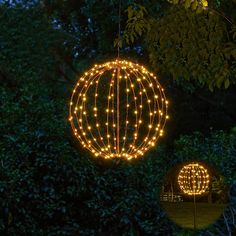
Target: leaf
233, 53
194, 5
211, 87
130, 12
234, 35
233, 31
10, 218
219, 81
199, 10
132, 38
227, 83
118, 42
187, 4
138, 29
175, 1
204, 3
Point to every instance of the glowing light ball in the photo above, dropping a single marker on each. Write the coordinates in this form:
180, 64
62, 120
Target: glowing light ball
118, 109
193, 179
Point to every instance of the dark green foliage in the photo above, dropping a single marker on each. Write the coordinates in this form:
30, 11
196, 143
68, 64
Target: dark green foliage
188, 45
195, 5
193, 47
92, 23
47, 186
26, 44
136, 24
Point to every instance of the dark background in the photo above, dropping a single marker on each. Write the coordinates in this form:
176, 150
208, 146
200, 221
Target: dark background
49, 185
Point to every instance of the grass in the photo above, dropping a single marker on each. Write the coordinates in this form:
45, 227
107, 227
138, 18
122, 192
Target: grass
182, 213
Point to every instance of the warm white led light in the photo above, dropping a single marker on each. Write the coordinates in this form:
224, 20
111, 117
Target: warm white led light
114, 109
193, 179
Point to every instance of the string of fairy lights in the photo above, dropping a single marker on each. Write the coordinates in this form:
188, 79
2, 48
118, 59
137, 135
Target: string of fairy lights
193, 179
118, 109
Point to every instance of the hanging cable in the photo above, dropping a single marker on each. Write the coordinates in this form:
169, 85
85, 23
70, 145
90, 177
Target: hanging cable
119, 34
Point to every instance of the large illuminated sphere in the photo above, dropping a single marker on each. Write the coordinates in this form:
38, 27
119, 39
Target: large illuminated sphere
118, 109
193, 179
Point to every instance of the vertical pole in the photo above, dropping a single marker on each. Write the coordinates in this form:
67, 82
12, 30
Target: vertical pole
195, 210
118, 88
118, 111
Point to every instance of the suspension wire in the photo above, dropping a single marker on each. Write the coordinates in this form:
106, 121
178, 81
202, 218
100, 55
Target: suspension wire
119, 34
222, 15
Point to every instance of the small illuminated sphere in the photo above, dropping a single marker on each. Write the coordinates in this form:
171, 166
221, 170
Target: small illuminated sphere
193, 179
118, 110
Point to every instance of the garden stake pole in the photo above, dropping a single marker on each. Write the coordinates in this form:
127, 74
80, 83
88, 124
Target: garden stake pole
194, 214
193, 179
